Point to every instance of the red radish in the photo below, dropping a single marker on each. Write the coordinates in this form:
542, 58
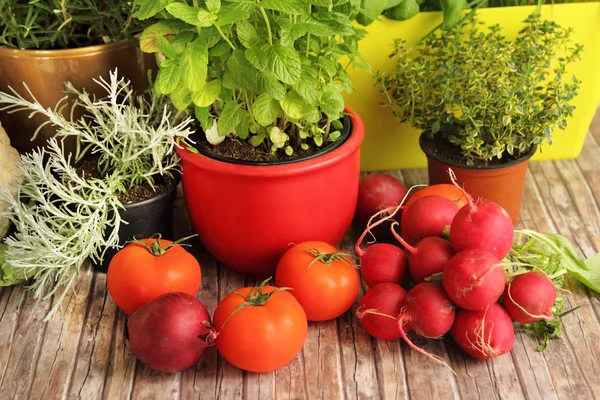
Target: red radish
481, 225
379, 310
429, 256
484, 334
428, 311
170, 333
382, 262
530, 297
377, 192
427, 216
474, 279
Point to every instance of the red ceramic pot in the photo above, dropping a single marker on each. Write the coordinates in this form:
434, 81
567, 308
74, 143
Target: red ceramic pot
247, 215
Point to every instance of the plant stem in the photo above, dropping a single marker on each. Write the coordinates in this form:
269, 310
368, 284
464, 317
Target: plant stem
266, 18
225, 37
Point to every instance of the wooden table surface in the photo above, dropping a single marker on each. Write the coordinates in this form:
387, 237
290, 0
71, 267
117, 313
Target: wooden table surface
81, 352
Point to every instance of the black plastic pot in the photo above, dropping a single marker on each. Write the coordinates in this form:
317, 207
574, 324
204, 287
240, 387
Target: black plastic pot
144, 219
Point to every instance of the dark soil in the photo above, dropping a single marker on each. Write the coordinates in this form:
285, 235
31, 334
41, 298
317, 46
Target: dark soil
447, 152
89, 170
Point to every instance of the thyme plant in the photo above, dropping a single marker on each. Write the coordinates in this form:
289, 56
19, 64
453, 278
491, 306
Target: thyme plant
484, 93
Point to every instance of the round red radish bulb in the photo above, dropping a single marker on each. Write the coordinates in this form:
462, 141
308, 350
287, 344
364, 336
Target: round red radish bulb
382, 262
379, 310
426, 217
428, 257
529, 298
474, 279
484, 334
170, 333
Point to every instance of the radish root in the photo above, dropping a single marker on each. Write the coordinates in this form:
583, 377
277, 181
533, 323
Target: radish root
481, 345
360, 313
543, 316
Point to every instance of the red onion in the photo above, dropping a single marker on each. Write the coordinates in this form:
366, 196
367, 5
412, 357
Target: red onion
171, 333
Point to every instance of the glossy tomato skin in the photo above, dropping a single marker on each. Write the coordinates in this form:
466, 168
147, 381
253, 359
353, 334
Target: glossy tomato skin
446, 190
325, 291
136, 277
260, 338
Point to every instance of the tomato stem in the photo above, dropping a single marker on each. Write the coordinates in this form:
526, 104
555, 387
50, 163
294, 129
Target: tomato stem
255, 298
155, 248
328, 258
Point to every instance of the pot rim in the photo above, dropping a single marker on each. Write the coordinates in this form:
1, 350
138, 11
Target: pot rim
512, 163
165, 193
65, 53
346, 149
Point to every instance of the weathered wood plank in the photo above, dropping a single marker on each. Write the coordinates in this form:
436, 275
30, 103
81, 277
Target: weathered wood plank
473, 378
11, 300
122, 363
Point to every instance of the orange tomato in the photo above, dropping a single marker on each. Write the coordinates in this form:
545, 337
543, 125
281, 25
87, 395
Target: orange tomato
324, 280
141, 272
446, 190
260, 329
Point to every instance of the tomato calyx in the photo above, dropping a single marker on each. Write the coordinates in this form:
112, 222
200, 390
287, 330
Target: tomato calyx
156, 249
256, 298
328, 258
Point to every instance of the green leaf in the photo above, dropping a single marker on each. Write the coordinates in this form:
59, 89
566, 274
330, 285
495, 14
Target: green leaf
318, 28
277, 136
328, 65
294, 106
205, 18
219, 50
228, 82
268, 83
308, 86
243, 129
194, 65
210, 36
289, 150
247, 34
318, 139
323, 3
165, 47
285, 63
241, 70
230, 117
168, 77
304, 146
295, 7
183, 12
203, 116
590, 276
338, 22
332, 102
313, 115
149, 8
148, 38
181, 40
257, 140
290, 32
257, 57
265, 109
208, 94
403, 11
181, 98
234, 12
213, 5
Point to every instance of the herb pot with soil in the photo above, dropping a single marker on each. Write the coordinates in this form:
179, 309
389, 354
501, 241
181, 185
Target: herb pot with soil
485, 104
46, 46
272, 164
122, 179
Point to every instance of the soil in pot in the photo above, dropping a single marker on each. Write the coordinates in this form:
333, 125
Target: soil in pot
501, 180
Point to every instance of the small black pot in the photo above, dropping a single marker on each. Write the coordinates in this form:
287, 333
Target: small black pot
144, 219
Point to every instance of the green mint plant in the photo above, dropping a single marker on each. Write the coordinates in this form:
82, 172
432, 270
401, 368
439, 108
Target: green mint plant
482, 92
266, 71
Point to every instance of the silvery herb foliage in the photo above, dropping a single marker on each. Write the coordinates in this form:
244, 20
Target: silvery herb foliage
270, 72
482, 92
61, 217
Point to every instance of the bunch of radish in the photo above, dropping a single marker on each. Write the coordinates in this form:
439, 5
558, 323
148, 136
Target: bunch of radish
464, 241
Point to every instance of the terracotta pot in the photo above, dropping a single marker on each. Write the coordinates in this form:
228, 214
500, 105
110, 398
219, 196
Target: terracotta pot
46, 71
500, 183
247, 215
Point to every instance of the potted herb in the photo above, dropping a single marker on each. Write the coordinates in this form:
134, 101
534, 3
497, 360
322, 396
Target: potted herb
277, 156
485, 103
46, 43
121, 185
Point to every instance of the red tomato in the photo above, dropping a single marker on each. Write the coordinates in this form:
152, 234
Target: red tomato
324, 280
446, 190
139, 273
264, 334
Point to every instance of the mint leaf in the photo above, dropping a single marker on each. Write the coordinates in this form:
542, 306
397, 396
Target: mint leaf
148, 38
219, 50
285, 63
241, 70
213, 5
290, 32
278, 137
243, 129
257, 140
210, 36
247, 34
332, 102
268, 83
234, 12
336, 21
168, 77
181, 98
165, 47
203, 116
208, 94
257, 57
149, 8
183, 12
319, 27
294, 106
205, 18
307, 85
265, 109
181, 40
194, 65
296, 7
230, 117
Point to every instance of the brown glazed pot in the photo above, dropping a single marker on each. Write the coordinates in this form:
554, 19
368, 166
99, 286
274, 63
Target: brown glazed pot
46, 71
502, 184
